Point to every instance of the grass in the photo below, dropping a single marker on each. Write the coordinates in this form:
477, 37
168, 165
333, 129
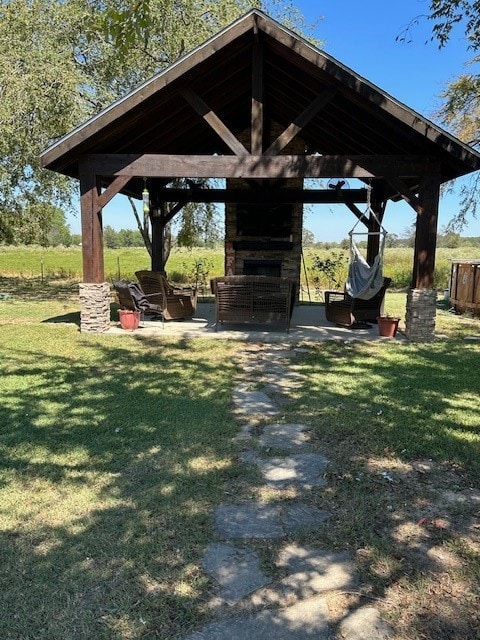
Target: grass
36, 262
114, 451
400, 424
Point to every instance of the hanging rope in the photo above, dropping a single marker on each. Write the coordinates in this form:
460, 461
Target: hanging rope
364, 280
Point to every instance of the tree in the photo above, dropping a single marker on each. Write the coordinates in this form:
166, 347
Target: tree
460, 111
62, 61
38, 223
110, 237
56, 232
308, 239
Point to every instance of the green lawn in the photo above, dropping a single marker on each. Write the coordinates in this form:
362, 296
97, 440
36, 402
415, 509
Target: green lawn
114, 451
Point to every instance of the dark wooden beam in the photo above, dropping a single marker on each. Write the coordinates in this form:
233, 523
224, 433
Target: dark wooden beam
220, 128
299, 123
257, 99
321, 196
115, 187
258, 167
158, 238
426, 229
174, 210
92, 232
377, 205
356, 211
407, 194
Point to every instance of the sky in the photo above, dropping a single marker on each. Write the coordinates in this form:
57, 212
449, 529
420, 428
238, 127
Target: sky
363, 36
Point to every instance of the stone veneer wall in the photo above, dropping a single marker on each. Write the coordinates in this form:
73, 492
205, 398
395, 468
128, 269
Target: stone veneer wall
94, 307
290, 258
420, 316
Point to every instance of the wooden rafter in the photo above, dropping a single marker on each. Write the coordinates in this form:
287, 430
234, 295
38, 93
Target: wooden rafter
299, 123
220, 128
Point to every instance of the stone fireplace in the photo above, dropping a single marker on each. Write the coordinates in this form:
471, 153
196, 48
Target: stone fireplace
263, 238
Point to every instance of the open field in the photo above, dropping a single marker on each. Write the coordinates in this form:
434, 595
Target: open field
29, 262
114, 451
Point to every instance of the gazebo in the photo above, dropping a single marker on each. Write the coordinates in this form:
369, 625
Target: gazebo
262, 108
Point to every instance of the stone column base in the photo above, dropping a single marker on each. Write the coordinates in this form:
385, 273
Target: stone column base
94, 306
420, 316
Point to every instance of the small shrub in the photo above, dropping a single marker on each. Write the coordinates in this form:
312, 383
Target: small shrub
330, 272
198, 274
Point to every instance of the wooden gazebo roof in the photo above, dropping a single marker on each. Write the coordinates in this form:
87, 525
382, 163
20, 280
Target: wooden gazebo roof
256, 74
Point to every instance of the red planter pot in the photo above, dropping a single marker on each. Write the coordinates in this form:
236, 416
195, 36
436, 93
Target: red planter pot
387, 326
129, 320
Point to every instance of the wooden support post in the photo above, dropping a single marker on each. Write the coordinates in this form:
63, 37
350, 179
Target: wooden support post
94, 292
158, 232
377, 204
426, 228
92, 232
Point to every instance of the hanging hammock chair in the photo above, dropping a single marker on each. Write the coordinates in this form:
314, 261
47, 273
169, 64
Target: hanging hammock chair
364, 280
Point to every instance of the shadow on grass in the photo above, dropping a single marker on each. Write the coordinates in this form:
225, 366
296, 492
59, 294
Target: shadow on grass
69, 318
401, 425
112, 461
74, 317
36, 289
113, 457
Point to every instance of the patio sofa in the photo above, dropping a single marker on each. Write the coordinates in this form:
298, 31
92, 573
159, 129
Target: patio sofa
253, 300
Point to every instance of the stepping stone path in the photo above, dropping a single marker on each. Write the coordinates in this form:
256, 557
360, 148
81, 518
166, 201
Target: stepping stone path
290, 602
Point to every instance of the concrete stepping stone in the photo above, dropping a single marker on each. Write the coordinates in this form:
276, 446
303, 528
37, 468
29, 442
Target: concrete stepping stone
365, 624
237, 571
282, 377
261, 521
283, 436
318, 570
254, 403
302, 621
311, 572
252, 520
305, 470
280, 396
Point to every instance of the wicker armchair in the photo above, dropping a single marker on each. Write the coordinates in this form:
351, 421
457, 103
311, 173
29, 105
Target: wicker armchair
341, 309
177, 303
130, 296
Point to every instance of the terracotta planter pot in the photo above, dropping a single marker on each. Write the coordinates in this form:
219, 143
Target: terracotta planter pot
129, 320
387, 326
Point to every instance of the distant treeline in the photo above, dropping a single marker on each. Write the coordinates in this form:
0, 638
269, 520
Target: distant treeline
393, 241
59, 235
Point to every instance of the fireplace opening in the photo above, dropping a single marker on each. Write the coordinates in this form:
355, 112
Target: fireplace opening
270, 268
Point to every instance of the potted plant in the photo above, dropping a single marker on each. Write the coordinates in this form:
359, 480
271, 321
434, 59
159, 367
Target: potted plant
129, 320
388, 325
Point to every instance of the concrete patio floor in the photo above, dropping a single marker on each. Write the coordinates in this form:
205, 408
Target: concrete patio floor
308, 325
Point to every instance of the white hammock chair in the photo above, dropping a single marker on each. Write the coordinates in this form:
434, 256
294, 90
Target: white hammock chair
364, 280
